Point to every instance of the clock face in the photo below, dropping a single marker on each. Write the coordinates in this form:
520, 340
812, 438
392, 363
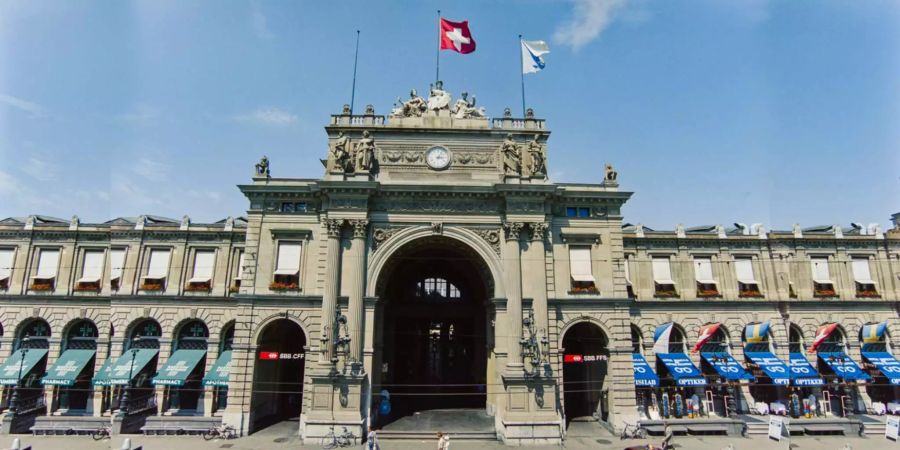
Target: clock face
437, 157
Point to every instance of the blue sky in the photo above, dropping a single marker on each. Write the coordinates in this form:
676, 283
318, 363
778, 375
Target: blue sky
712, 111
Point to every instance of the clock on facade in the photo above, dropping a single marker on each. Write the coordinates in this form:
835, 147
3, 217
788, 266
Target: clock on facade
437, 157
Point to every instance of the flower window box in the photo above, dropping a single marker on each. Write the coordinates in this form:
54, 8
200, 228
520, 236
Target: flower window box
866, 291
236, 287
198, 286
748, 290
823, 290
42, 285
583, 287
284, 286
153, 284
87, 286
707, 290
665, 291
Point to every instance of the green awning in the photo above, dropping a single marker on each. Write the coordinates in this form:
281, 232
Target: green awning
17, 365
178, 367
67, 367
118, 372
101, 378
218, 374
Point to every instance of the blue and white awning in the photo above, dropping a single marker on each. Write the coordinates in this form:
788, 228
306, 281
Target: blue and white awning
886, 364
643, 374
726, 366
803, 373
682, 369
844, 367
773, 367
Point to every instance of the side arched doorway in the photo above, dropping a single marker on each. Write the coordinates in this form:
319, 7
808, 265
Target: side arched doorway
585, 367
432, 327
278, 374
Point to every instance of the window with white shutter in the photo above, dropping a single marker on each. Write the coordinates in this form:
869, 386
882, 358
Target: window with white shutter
204, 263
6, 266
240, 267
116, 263
92, 266
627, 271
287, 266
865, 285
581, 271
703, 270
743, 268
48, 264
158, 267
820, 270
662, 277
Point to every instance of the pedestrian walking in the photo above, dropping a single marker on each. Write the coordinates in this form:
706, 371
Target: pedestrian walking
372, 439
443, 441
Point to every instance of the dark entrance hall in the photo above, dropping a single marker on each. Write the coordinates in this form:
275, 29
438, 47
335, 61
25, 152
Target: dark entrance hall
278, 374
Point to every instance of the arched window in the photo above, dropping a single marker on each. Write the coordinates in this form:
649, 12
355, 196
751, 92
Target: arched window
795, 340
637, 340
227, 341
437, 287
82, 336
835, 342
192, 336
35, 334
145, 334
677, 340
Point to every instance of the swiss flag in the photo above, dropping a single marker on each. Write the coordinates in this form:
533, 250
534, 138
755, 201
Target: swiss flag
456, 36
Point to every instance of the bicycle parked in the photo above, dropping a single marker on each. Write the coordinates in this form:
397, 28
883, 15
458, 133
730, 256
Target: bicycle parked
220, 432
331, 440
633, 431
101, 433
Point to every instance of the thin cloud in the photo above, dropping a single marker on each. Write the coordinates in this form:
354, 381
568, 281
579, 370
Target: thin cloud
150, 169
34, 109
589, 19
259, 23
41, 169
269, 116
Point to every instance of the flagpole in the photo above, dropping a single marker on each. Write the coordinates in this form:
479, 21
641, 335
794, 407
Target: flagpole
437, 71
522, 73
355, 59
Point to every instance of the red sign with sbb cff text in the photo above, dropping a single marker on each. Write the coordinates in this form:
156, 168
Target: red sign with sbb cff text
268, 355
572, 358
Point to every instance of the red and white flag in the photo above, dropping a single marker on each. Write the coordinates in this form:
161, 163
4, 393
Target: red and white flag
821, 334
706, 333
456, 36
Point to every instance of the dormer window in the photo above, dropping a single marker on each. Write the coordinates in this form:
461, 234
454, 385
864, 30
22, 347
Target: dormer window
706, 284
201, 277
287, 269
48, 264
582, 274
91, 271
748, 287
662, 278
157, 270
865, 286
822, 284
6, 267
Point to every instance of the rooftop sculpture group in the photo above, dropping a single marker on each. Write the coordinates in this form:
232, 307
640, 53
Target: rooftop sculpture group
438, 100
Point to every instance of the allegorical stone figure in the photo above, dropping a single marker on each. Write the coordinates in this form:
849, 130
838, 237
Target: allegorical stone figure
536, 158
610, 174
512, 156
414, 107
262, 167
364, 154
466, 109
339, 155
438, 98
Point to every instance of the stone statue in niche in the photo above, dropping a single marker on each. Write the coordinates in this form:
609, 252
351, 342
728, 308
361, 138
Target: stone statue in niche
536, 158
364, 153
610, 174
339, 154
465, 108
511, 155
262, 167
438, 98
414, 107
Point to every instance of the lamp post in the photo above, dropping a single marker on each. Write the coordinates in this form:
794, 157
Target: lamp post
14, 398
134, 351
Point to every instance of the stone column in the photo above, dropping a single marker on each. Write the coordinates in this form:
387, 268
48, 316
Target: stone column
356, 311
332, 284
537, 277
513, 270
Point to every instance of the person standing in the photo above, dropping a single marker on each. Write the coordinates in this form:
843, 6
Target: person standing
443, 441
372, 439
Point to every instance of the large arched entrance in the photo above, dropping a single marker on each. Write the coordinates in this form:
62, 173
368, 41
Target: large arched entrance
433, 329
278, 374
585, 366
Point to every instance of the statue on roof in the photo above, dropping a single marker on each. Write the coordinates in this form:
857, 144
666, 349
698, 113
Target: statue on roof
438, 98
364, 153
537, 159
339, 154
465, 108
262, 167
511, 156
610, 174
414, 107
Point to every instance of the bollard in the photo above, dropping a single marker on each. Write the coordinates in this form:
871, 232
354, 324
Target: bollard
126, 444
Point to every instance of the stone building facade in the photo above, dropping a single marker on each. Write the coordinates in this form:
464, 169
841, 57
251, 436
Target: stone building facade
433, 265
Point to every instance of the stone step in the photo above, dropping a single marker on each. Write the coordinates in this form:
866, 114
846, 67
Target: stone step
432, 435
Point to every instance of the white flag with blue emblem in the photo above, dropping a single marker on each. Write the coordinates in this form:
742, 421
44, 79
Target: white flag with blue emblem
531, 56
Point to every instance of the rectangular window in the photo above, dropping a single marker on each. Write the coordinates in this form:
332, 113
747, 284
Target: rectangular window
48, 264
287, 207
629, 287
865, 286
238, 272
287, 268
157, 270
581, 271
116, 267
822, 286
662, 277
584, 212
747, 285
91, 271
6, 267
300, 207
571, 212
201, 277
703, 274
